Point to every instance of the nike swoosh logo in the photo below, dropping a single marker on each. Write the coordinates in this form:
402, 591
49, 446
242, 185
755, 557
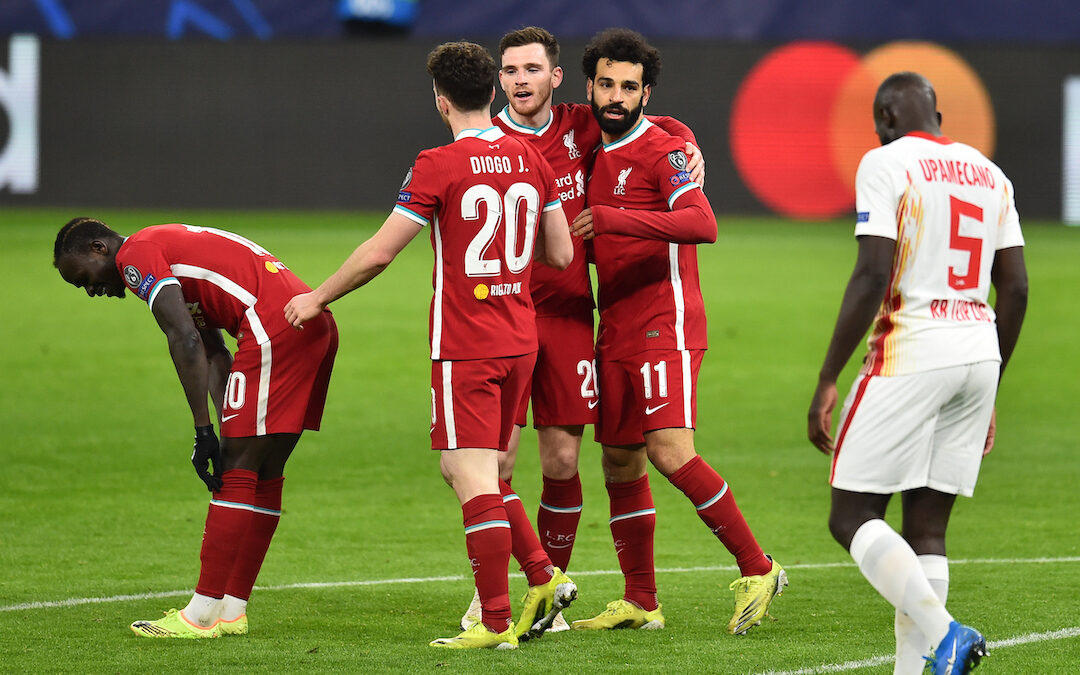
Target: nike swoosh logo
649, 411
593, 404
229, 417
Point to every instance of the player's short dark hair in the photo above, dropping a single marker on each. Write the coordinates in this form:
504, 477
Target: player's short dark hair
532, 35
907, 81
75, 237
622, 44
464, 72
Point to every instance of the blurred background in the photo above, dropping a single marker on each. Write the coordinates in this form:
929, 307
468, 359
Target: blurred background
323, 104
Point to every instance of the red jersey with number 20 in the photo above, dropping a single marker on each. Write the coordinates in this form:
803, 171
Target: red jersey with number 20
482, 195
228, 282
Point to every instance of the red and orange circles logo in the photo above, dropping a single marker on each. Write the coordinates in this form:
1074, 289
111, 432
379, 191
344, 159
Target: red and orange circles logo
802, 119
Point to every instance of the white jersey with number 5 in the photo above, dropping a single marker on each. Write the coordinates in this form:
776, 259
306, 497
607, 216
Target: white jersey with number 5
949, 209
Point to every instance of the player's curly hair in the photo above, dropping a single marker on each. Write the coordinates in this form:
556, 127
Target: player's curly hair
464, 72
75, 237
532, 35
622, 44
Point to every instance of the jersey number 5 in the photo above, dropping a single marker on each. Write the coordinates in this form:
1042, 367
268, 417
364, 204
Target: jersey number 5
973, 245
500, 208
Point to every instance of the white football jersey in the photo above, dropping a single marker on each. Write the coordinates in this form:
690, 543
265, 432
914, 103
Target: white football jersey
949, 209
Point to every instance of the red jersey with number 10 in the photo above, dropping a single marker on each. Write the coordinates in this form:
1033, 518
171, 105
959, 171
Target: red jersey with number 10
482, 195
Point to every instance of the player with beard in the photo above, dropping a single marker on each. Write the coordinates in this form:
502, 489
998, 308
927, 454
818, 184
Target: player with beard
645, 215
488, 199
563, 388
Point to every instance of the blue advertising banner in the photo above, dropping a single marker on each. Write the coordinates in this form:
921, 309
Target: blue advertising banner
962, 21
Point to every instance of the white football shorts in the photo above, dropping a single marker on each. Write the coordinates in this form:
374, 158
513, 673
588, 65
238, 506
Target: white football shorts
910, 431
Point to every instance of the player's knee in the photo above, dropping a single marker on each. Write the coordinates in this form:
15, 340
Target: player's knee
559, 463
842, 526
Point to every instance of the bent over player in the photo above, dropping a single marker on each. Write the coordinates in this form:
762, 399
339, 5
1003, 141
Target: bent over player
647, 215
936, 225
197, 282
488, 199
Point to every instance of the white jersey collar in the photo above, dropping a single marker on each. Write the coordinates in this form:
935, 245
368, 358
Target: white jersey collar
629, 138
509, 121
489, 134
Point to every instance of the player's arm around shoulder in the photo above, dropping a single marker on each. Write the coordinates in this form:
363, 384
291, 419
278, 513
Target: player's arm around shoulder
366, 262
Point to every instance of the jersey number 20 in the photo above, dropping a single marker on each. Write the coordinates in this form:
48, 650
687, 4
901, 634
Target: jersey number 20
500, 209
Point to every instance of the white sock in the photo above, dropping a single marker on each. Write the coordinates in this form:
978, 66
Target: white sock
232, 608
893, 569
203, 610
911, 644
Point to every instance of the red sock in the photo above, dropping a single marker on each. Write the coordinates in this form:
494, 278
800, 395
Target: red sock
487, 539
264, 522
557, 518
227, 520
633, 525
715, 504
526, 547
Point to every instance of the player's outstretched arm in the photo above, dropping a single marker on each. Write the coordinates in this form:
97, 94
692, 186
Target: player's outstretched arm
366, 262
863, 296
554, 246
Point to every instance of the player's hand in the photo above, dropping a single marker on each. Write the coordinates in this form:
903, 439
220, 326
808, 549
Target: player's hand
991, 434
583, 225
819, 419
695, 164
207, 450
301, 308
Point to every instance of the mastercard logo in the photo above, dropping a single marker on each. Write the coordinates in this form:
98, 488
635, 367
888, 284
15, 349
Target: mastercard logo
803, 118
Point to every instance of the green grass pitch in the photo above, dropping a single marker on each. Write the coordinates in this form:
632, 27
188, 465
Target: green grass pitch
98, 498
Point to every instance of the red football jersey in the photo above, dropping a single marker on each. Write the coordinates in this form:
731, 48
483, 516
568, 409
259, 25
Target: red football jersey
566, 142
649, 293
228, 282
482, 196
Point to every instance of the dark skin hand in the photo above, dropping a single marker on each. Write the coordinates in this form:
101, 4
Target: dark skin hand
865, 292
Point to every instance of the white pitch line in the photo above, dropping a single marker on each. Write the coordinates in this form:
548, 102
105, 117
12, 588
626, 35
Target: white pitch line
72, 602
1062, 634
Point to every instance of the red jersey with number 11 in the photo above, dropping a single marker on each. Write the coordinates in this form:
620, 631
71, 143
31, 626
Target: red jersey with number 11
483, 196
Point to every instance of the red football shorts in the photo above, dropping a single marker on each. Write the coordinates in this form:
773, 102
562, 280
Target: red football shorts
279, 387
563, 387
473, 403
656, 389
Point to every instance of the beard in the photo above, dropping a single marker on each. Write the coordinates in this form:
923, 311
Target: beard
616, 127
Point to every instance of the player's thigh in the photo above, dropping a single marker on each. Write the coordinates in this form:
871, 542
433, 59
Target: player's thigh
279, 386
887, 428
564, 388
473, 403
960, 431
620, 417
669, 387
